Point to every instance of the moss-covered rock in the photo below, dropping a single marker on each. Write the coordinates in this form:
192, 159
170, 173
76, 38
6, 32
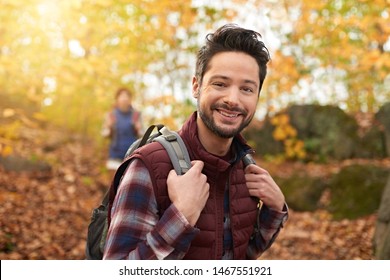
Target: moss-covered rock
302, 193
356, 191
371, 144
328, 132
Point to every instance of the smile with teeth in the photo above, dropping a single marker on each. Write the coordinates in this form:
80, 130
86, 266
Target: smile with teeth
229, 115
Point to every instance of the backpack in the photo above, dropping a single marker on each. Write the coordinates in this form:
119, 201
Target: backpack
98, 226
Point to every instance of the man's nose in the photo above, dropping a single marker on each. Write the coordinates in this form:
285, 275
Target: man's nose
232, 96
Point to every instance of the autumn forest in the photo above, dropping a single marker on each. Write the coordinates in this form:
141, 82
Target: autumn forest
62, 61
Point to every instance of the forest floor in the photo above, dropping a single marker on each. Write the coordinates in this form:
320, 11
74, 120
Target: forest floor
44, 214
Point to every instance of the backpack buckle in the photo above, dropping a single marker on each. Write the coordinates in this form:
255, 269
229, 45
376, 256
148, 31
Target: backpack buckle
167, 134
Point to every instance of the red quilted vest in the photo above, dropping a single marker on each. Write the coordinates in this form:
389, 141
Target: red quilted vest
208, 244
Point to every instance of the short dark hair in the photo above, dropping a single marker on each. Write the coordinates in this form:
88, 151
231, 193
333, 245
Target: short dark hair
122, 89
232, 38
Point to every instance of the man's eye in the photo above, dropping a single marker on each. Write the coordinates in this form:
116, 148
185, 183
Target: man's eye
248, 90
218, 84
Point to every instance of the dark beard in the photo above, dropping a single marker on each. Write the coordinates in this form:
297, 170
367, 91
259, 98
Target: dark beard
209, 122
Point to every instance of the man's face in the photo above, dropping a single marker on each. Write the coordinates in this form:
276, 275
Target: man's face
228, 95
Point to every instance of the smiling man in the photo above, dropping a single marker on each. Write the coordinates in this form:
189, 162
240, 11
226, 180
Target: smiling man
219, 209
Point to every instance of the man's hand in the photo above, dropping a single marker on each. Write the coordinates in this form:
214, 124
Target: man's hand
261, 185
189, 192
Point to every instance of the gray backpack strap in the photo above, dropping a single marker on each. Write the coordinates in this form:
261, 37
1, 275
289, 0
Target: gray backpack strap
176, 149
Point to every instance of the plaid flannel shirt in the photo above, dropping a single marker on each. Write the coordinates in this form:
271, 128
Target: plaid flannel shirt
137, 232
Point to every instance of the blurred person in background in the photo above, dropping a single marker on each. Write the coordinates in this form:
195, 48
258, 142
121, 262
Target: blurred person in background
122, 126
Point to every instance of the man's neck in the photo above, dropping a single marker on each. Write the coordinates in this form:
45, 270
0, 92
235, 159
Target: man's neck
211, 142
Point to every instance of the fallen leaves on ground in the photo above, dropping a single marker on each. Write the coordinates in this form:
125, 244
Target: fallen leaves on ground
45, 215
315, 236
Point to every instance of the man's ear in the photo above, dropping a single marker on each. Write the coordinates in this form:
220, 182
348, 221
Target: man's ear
195, 87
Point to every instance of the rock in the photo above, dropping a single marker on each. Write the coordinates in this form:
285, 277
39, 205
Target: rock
371, 144
356, 191
302, 193
17, 164
327, 131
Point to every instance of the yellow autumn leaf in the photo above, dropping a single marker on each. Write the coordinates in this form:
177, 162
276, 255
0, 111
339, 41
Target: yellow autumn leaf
279, 134
284, 119
301, 154
290, 131
289, 142
5, 150
290, 152
275, 120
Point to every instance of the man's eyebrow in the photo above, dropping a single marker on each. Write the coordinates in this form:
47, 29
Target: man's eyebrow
251, 82
227, 78
219, 77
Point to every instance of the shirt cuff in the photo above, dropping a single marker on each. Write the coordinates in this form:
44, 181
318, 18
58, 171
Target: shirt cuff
174, 228
273, 219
